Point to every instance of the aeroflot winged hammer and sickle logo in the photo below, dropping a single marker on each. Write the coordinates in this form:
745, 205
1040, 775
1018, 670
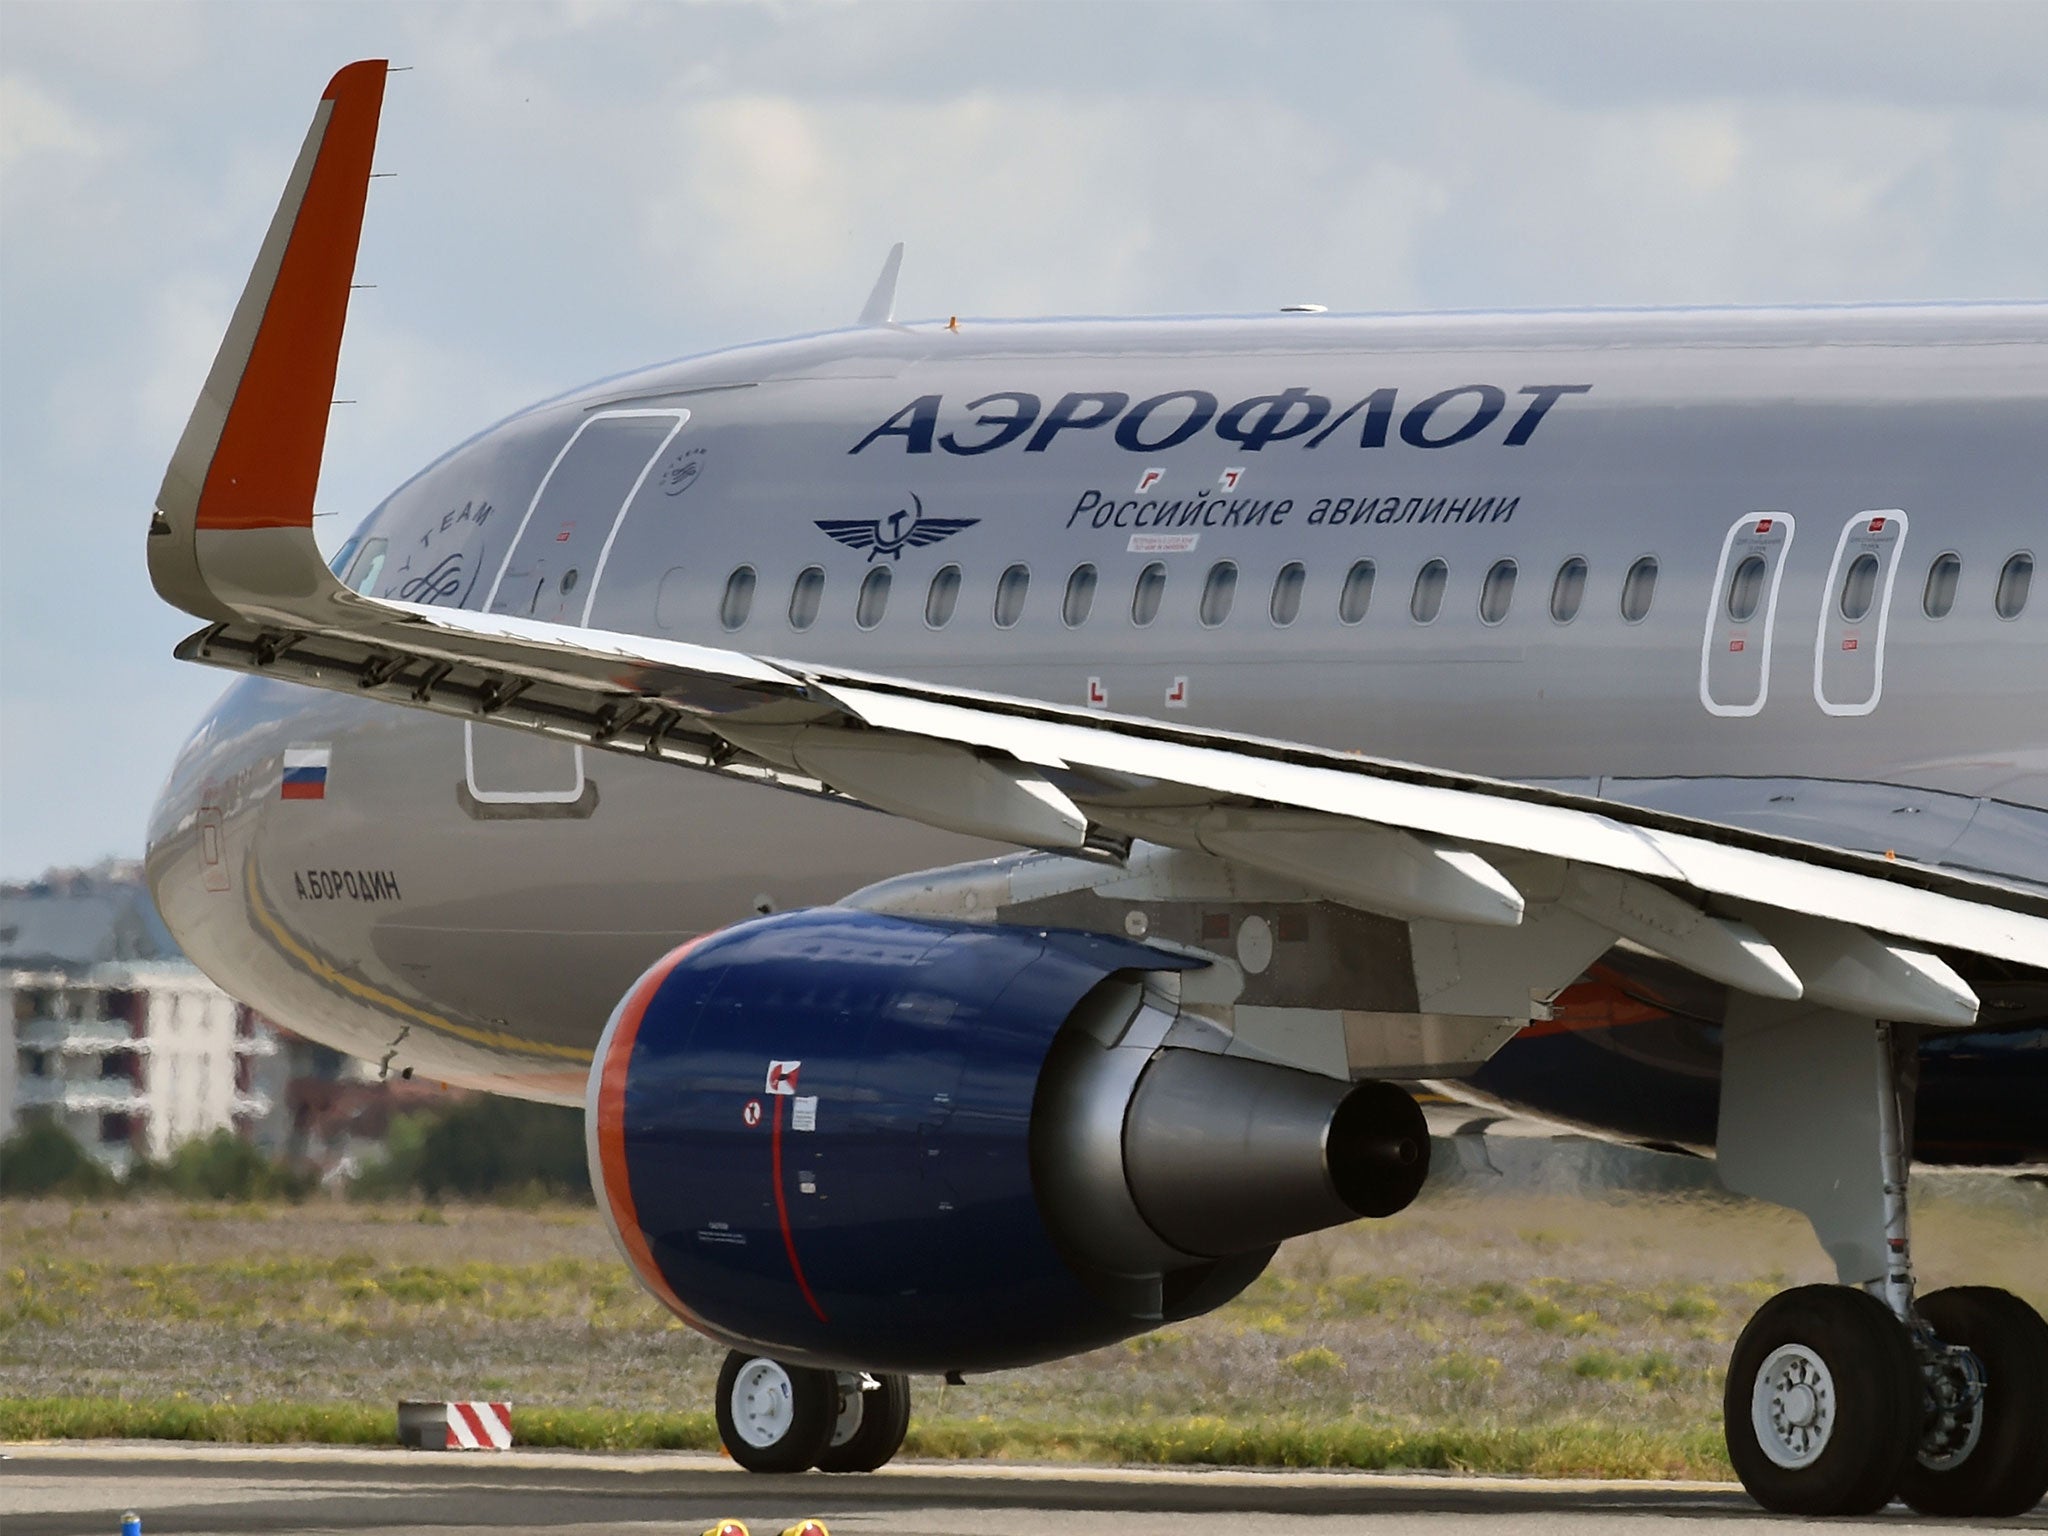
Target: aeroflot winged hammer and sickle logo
866, 533
782, 1077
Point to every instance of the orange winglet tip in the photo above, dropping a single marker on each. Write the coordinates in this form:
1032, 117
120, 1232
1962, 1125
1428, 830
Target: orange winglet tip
267, 463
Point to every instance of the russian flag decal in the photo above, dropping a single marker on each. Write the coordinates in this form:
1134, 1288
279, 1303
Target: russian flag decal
305, 773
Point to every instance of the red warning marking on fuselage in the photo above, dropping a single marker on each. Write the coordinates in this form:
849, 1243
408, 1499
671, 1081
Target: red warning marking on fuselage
752, 1113
1229, 478
1098, 696
1150, 478
1177, 695
782, 1077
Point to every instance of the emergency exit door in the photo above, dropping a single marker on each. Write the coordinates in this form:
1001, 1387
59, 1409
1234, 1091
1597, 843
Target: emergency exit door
1742, 611
551, 572
1848, 658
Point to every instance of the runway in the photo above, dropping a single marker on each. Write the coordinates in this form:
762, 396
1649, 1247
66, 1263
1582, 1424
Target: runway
82, 1490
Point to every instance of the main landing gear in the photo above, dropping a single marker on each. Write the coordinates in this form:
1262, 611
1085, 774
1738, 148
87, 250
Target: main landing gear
790, 1418
1843, 1397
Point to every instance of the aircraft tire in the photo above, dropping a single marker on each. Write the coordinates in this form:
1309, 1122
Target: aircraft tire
871, 1427
774, 1417
1823, 1401
2004, 1471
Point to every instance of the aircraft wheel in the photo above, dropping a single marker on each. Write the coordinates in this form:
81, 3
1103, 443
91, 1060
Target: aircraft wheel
870, 1428
1990, 1458
1823, 1403
774, 1417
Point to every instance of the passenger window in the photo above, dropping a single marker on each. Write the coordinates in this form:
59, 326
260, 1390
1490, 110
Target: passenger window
1148, 594
1427, 600
1497, 592
1010, 592
1080, 598
1218, 593
1286, 605
2013, 583
1746, 589
1357, 594
1942, 576
369, 566
1859, 587
805, 596
1568, 591
1639, 589
738, 601
873, 599
942, 597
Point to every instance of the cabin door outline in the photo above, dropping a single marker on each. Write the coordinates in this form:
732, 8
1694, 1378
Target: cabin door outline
1848, 653
506, 767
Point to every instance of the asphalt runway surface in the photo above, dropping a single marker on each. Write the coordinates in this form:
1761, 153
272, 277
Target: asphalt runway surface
82, 1490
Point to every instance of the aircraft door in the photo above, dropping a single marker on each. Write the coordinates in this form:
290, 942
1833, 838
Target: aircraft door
1742, 609
551, 572
1848, 658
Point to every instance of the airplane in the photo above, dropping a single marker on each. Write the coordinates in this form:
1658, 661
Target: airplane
986, 816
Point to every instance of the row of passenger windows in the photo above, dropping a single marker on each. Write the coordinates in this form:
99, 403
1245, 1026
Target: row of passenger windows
1745, 594
1859, 587
1218, 595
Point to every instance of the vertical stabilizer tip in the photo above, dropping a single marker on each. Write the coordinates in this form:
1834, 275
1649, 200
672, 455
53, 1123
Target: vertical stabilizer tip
880, 308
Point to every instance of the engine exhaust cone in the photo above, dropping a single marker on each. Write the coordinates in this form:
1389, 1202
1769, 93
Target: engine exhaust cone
1226, 1155
1377, 1149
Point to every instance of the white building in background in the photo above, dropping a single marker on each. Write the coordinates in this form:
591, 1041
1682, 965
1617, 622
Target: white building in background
104, 1028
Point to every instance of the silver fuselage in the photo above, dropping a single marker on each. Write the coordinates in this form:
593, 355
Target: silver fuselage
470, 901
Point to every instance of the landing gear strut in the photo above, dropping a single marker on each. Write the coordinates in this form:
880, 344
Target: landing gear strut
774, 1417
1842, 1397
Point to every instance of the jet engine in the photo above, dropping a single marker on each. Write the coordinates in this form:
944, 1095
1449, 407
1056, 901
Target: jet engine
863, 1141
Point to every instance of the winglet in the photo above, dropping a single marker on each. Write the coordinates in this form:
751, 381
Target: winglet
250, 455
880, 308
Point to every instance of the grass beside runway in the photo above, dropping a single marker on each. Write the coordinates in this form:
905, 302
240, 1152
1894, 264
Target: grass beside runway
1516, 1332
1566, 1450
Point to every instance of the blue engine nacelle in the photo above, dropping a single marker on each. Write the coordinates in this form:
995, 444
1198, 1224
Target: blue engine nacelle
848, 1139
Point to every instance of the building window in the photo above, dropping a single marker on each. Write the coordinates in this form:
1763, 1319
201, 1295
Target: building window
1357, 594
1859, 587
2013, 582
1010, 594
738, 601
1286, 605
873, 599
114, 1128
1942, 576
1080, 598
805, 596
1639, 589
1427, 600
1497, 592
1218, 593
942, 597
1147, 595
1746, 589
1568, 591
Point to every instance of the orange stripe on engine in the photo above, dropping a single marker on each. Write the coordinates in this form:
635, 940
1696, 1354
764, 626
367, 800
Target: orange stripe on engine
267, 464
611, 1134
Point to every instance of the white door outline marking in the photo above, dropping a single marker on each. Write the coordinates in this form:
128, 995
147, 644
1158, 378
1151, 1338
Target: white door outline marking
1717, 596
1830, 610
575, 790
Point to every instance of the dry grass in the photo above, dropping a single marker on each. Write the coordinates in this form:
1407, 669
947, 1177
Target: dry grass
1519, 1331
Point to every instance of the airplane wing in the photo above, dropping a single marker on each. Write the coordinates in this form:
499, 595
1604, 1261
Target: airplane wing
1476, 866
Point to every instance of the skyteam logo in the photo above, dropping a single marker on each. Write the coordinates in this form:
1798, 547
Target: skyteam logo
868, 534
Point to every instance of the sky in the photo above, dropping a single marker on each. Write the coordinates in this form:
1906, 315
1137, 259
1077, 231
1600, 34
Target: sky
582, 188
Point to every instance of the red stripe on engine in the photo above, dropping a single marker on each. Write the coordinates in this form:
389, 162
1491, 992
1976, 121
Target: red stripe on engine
611, 1134
782, 1211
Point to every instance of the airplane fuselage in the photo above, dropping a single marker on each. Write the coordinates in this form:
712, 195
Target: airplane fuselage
1766, 568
